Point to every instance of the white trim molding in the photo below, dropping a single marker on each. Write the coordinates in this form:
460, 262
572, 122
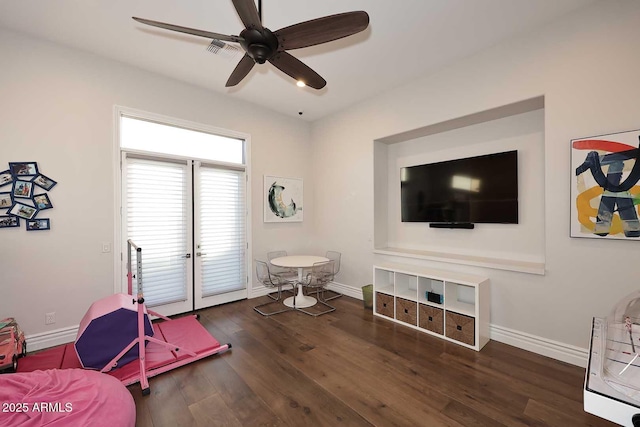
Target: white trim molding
259, 290
349, 291
53, 338
557, 350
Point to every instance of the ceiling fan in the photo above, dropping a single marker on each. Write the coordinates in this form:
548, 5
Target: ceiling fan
261, 44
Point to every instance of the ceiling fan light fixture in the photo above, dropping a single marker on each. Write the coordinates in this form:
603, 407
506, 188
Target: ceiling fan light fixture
300, 83
261, 44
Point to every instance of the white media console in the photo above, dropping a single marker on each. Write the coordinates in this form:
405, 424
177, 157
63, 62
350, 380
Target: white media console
458, 310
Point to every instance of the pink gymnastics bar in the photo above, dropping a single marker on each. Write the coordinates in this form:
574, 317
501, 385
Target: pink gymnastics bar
184, 341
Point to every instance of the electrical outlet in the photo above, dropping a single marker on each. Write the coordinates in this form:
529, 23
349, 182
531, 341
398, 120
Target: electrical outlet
50, 318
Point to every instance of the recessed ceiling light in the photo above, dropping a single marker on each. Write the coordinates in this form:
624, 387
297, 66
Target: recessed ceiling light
300, 83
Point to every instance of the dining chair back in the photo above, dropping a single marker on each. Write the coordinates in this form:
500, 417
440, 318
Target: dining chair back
316, 280
286, 274
270, 280
335, 257
275, 254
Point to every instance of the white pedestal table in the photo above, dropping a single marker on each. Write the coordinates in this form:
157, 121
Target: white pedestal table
300, 262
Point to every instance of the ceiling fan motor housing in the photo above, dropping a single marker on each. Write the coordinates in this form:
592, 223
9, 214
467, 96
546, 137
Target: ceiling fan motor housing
260, 44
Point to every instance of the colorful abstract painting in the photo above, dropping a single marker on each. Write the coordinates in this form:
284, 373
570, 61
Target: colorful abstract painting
282, 199
605, 189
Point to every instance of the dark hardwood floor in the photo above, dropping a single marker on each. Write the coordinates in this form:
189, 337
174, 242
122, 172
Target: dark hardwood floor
351, 368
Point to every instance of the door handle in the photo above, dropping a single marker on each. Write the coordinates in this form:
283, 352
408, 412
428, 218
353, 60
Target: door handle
200, 253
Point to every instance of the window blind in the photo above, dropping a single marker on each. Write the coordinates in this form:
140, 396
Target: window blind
156, 203
222, 230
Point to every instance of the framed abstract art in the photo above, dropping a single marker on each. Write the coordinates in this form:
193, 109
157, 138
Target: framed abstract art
605, 190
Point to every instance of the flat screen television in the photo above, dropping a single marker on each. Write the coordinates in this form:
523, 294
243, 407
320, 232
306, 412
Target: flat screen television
482, 189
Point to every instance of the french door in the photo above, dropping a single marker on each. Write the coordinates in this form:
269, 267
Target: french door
221, 244
189, 218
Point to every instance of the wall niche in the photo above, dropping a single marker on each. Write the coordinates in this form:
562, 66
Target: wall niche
515, 247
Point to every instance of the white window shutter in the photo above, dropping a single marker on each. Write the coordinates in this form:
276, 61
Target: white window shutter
222, 230
156, 209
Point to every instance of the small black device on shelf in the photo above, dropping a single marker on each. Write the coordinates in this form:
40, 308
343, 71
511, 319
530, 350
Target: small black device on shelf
436, 298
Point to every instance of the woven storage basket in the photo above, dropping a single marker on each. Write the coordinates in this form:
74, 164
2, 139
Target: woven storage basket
407, 311
460, 328
384, 304
431, 318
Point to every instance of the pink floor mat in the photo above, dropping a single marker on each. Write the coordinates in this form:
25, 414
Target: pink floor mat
185, 332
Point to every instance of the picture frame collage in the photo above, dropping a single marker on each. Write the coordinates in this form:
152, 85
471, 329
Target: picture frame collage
23, 195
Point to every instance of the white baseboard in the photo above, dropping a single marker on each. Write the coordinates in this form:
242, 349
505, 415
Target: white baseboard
258, 291
349, 291
556, 350
48, 339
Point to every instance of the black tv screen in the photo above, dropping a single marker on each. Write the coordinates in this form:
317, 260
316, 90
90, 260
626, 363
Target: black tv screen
482, 189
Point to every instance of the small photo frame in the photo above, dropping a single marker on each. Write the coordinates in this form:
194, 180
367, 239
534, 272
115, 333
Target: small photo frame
22, 189
41, 201
23, 211
38, 224
6, 200
8, 221
23, 168
6, 177
44, 182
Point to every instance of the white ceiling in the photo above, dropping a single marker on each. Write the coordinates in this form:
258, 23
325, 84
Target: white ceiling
405, 39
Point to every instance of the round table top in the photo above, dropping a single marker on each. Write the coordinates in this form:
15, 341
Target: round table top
298, 261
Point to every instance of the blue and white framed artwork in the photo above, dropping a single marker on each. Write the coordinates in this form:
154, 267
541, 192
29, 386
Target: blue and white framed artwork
283, 199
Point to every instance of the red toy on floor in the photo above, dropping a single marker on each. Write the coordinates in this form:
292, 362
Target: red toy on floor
12, 344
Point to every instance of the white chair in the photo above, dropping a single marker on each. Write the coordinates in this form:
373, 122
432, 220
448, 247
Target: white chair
321, 273
270, 281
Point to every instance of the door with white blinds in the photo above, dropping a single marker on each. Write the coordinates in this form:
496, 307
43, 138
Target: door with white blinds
189, 219
220, 228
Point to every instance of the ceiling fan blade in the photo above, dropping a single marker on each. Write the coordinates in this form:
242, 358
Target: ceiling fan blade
322, 30
295, 68
248, 13
201, 33
240, 72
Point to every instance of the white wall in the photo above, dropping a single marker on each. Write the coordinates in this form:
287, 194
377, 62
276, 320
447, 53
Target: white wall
586, 68
56, 108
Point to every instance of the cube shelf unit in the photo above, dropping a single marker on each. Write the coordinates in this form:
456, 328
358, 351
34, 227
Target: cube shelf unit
400, 294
